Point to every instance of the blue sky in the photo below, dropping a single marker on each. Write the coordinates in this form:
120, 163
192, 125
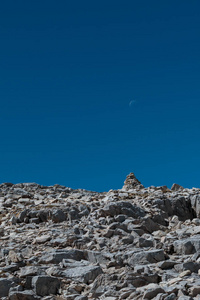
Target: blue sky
93, 90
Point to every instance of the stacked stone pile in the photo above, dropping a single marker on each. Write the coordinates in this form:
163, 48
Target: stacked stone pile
132, 243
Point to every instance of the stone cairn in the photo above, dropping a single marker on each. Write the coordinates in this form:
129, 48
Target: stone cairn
131, 182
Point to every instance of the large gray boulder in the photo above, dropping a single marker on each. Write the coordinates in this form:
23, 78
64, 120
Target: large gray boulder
45, 285
188, 245
96, 257
5, 285
152, 291
81, 271
179, 206
195, 203
176, 187
58, 216
146, 257
122, 208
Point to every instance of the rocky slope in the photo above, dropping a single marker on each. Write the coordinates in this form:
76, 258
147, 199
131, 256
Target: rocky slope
132, 243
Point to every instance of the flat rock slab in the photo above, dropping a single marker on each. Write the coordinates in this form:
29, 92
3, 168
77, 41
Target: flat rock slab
83, 273
28, 271
146, 257
167, 264
56, 257
42, 239
23, 295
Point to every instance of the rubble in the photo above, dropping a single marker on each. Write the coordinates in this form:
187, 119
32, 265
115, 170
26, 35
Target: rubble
133, 243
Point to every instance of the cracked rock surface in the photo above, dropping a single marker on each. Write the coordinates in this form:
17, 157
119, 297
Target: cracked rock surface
133, 243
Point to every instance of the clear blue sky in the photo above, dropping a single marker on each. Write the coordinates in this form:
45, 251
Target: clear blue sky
93, 90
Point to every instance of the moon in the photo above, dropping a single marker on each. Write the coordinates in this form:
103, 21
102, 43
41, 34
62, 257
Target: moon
132, 102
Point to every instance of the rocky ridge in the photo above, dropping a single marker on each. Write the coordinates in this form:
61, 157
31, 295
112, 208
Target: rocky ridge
132, 243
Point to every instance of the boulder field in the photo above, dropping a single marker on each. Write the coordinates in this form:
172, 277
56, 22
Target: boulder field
58, 243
